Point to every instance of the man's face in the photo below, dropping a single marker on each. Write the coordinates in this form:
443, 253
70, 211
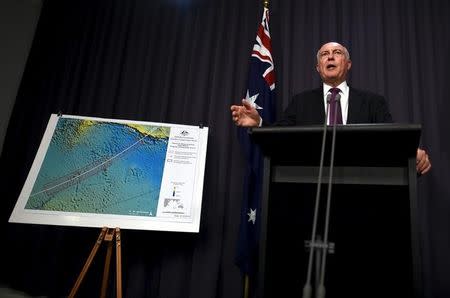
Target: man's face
332, 63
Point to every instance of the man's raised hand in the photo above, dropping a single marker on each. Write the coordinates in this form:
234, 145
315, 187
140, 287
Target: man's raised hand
245, 115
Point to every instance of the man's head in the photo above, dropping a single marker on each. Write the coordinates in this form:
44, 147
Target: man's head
333, 63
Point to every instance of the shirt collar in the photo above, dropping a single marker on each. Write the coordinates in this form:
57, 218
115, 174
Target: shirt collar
342, 86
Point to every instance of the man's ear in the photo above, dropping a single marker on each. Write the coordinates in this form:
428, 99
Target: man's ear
349, 65
317, 68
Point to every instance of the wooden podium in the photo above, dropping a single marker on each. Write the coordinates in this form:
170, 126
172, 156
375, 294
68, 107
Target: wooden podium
374, 211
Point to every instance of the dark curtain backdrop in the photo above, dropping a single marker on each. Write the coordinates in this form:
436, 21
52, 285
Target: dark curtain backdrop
186, 62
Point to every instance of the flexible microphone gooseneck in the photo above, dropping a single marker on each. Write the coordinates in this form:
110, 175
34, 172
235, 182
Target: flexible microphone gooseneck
321, 288
307, 287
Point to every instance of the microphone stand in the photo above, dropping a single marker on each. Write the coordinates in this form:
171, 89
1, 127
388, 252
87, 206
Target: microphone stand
321, 288
307, 289
314, 244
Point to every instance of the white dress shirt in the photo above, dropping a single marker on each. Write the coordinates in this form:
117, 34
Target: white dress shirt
344, 99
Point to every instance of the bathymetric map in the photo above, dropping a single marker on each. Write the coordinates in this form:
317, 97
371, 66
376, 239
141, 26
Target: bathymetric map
116, 173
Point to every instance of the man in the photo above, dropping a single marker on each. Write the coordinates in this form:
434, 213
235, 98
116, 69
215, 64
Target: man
309, 107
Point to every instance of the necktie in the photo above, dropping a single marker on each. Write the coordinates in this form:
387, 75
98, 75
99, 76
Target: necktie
335, 106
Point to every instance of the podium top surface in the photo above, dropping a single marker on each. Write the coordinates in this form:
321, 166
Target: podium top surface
387, 144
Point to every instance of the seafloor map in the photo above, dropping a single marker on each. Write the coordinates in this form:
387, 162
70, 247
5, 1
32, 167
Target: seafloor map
101, 167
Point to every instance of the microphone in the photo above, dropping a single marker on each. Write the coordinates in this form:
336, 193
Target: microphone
321, 288
312, 244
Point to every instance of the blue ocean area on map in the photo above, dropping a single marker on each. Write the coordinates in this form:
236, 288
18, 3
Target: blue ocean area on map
101, 167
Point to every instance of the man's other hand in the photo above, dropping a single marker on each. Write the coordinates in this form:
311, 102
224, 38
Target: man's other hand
423, 163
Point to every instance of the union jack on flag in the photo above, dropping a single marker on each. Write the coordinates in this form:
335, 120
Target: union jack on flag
261, 94
261, 65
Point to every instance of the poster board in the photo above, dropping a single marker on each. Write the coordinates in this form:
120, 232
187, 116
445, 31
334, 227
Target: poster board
97, 172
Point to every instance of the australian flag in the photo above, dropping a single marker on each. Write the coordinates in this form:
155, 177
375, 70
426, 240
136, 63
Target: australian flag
261, 94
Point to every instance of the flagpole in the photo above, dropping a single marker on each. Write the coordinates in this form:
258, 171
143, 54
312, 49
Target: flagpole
246, 285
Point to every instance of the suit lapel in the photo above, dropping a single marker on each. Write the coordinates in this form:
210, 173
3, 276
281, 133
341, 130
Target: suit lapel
319, 109
354, 106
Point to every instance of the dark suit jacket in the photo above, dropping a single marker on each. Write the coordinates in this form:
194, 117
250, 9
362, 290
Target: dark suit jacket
307, 108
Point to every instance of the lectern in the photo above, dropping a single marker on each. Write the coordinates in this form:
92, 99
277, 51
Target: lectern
373, 223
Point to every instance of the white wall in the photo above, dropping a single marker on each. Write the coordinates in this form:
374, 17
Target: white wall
18, 20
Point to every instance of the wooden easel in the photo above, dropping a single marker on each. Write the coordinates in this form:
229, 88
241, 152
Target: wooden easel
106, 234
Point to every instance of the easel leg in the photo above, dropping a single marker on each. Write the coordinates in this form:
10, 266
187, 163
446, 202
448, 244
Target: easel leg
108, 237
118, 264
88, 263
105, 235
